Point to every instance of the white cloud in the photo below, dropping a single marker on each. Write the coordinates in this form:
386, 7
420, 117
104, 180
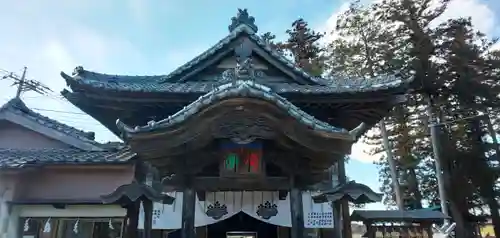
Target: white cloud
496, 46
483, 19
361, 152
50, 43
329, 26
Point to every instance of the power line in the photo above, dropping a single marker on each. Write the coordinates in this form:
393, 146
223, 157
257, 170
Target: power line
24, 85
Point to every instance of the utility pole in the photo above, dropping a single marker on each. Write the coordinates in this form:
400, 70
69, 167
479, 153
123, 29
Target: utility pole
24, 84
436, 149
21, 83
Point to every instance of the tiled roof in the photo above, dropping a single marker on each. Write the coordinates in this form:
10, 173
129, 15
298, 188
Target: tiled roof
237, 89
24, 158
233, 35
356, 193
154, 84
397, 215
18, 107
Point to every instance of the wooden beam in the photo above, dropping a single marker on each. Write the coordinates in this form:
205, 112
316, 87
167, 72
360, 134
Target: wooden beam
232, 183
125, 166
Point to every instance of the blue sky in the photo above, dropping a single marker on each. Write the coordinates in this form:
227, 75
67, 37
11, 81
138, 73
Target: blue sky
154, 37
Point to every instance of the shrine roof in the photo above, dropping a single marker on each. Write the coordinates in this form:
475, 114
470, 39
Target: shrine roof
242, 28
26, 158
356, 193
238, 89
156, 84
17, 112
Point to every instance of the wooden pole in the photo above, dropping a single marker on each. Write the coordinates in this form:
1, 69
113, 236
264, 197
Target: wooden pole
188, 213
337, 219
21, 83
132, 220
436, 149
346, 216
148, 217
297, 210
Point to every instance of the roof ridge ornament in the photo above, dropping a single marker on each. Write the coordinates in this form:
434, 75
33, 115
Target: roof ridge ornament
243, 18
244, 68
78, 70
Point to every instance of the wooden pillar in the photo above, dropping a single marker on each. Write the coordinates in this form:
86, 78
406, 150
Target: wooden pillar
297, 211
370, 230
188, 205
148, 218
4, 216
346, 218
132, 220
337, 221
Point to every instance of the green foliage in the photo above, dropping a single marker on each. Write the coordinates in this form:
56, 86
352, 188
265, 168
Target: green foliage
270, 38
366, 48
302, 45
453, 69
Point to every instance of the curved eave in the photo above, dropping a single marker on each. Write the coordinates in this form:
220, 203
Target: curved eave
129, 193
237, 89
122, 84
356, 193
198, 123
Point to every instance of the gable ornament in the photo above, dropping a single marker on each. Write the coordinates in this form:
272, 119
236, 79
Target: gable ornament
244, 69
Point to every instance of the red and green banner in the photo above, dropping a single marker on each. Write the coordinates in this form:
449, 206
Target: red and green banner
244, 158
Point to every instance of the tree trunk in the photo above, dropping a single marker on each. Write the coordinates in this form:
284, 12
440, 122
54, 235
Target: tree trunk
392, 165
495, 215
461, 230
413, 184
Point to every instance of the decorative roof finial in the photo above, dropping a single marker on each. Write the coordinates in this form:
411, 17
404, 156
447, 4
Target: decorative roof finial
242, 18
78, 70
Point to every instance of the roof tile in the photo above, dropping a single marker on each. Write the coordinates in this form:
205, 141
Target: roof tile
346, 85
235, 89
23, 158
18, 107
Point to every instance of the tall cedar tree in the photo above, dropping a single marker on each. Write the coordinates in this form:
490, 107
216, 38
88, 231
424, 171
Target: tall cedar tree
469, 68
366, 48
270, 38
413, 18
304, 48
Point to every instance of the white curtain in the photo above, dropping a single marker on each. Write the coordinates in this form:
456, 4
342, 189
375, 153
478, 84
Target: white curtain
169, 216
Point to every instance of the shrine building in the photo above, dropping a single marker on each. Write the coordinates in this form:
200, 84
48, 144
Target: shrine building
236, 143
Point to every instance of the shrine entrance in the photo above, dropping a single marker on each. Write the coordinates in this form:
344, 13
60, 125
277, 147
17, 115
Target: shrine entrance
262, 127
242, 225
